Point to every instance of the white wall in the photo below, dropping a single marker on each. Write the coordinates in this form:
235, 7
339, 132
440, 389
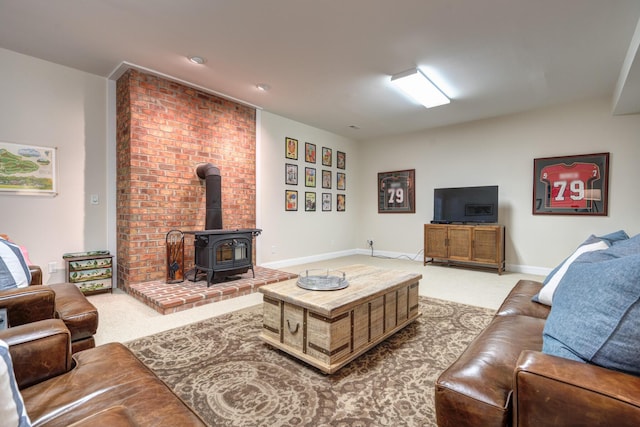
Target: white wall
501, 151
299, 235
50, 105
53, 106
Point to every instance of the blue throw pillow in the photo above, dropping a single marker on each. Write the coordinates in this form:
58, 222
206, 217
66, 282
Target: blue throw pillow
595, 315
545, 296
617, 250
14, 271
12, 410
615, 237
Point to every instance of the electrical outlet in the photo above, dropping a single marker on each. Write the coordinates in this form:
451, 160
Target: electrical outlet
370, 243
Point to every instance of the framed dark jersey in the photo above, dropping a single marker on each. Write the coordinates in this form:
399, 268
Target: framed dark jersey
397, 191
571, 185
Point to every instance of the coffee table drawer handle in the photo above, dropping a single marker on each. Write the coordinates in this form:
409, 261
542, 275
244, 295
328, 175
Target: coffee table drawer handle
293, 331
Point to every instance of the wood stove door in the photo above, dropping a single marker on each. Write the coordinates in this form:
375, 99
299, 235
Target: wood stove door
232, 253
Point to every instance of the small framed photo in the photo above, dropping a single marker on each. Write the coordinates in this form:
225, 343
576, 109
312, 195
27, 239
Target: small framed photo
309, 177
290, 200
571, 185
326, 156
310, 201
309, 152
341, 160
341, 181
326, 179
326, 202
291, 148
290, 174
341, 202
397, 192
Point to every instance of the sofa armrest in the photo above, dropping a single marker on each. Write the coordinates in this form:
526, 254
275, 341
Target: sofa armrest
36, 275
39, 350
30, 304
554, 391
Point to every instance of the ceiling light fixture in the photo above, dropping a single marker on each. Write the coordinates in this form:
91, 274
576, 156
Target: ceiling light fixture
417, 85
263, 87
197, 60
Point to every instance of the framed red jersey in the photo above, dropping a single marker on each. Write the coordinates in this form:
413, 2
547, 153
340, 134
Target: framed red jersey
571, 185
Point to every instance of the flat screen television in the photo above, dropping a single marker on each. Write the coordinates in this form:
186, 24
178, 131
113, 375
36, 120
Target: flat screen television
465, 205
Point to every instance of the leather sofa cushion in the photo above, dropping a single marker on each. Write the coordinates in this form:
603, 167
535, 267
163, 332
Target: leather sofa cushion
75, 310
105, 380
518, 302
476, 389
28, 305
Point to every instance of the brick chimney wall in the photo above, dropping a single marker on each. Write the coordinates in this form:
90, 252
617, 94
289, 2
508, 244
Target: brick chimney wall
164, 130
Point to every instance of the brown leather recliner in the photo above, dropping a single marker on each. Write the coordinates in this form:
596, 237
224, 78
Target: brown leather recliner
105, 385
61, 300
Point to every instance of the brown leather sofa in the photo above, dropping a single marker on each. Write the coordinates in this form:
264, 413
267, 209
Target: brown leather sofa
61, 300
503, 378
103, 386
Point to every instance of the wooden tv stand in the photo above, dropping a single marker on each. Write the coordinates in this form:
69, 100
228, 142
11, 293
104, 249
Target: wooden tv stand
480, 245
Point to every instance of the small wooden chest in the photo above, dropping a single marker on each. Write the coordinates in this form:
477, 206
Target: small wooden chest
328, 329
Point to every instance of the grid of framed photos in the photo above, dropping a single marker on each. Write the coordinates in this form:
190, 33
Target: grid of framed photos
326, 173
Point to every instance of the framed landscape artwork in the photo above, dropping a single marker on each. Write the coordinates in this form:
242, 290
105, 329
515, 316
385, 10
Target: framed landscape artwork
28, 169
571, 185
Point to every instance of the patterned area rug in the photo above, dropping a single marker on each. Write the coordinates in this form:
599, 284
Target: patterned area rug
221, 369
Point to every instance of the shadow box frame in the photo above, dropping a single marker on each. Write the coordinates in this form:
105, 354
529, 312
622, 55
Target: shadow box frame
583, 178
389, 183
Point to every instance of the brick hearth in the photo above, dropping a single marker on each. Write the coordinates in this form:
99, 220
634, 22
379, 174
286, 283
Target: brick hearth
170, 298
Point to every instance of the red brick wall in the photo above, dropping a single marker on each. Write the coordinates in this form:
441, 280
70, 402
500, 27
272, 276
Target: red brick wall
164, 130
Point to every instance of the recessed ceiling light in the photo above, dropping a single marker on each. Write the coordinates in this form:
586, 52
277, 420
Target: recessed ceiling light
197, 60
263, 87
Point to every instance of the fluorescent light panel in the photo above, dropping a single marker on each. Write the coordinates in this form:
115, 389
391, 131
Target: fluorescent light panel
418, 86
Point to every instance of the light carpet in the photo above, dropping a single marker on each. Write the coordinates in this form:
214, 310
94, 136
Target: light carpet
222, 369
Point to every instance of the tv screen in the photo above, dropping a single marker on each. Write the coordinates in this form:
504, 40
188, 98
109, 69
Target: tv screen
465, 205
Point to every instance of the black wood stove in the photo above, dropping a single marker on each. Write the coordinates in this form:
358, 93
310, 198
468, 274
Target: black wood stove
220, 253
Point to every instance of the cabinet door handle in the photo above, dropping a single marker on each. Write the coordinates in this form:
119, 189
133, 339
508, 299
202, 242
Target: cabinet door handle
293, 331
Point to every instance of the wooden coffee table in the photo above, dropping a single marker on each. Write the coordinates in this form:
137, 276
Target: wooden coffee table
328, 329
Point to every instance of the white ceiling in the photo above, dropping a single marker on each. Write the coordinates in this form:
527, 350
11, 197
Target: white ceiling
329, 62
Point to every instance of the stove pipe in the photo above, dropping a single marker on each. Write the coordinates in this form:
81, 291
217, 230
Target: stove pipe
213, 183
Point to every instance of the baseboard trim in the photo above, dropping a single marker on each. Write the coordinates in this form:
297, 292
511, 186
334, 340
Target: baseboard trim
309, 259
514, 268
